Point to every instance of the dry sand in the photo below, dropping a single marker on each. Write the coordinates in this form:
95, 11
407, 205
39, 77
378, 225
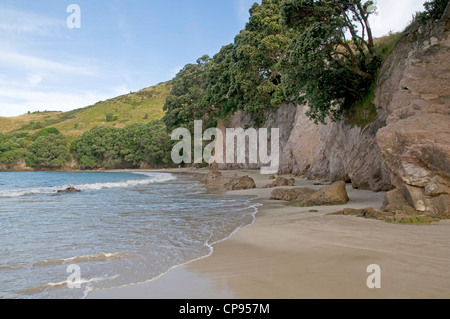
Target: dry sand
292, 253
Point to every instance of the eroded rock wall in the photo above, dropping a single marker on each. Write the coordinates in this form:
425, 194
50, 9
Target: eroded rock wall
408, 142
414, 91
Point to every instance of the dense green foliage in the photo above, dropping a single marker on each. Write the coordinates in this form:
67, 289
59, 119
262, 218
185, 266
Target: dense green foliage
46, 132
110, 117
145, 144
12, 148
99, 146
434, 10
109, 147
186, 100
324, 68
242, 76
289, 51
49, 151
319, 53
247, 72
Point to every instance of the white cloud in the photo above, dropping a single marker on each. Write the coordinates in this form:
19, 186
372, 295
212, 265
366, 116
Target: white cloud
29, 23
32, 63
394, 15
34, 79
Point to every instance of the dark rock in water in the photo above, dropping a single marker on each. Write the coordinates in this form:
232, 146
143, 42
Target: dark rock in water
69, 190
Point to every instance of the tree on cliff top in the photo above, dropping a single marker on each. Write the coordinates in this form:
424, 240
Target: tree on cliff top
434, 10
332, 63
185, 104
245, 75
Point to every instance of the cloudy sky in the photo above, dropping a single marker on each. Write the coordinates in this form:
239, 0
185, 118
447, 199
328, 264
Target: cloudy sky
121, 46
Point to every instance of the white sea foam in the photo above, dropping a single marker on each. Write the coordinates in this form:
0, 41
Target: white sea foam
78, 259
63, 284
152, 178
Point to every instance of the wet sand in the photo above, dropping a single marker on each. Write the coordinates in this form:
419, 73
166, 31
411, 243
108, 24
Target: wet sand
292, 253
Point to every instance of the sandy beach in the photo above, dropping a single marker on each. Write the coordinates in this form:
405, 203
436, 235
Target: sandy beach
296, 253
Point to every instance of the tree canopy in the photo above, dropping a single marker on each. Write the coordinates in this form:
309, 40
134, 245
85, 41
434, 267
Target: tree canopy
434, 10
244, 75
185, 104
254, 79
12, 148
136, 144
315, 52
49, 151
332, 61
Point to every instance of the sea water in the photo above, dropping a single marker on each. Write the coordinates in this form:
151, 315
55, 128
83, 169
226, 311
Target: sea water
121, 229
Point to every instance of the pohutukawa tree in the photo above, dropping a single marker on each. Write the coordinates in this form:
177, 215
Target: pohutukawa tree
186, 100
332, 62
245, 75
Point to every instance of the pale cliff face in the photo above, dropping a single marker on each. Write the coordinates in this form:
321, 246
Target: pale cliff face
408, 143
414, 94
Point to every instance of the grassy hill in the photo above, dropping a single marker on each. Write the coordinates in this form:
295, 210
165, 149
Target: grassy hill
138, 107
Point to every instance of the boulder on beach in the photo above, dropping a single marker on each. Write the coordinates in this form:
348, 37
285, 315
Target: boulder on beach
281, 181
240, 183
212, 176
291, 194
365, 213
335, 194
395, 202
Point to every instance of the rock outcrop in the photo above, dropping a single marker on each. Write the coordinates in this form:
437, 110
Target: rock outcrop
335, 194
396, 203
290, 194
69, 190
414, 90
18, 165
281, 181
386, 216
240, 183
406, 146
366, 213
213, 176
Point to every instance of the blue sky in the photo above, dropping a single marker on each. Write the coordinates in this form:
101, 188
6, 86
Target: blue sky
122, 46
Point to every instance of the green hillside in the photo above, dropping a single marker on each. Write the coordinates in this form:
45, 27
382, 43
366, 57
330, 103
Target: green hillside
138, 107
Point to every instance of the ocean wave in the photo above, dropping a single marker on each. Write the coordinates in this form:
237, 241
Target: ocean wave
63, 284
79, 259
158, 178
152, 179
28, 191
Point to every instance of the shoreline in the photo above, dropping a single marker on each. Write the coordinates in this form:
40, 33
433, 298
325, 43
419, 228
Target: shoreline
292, 253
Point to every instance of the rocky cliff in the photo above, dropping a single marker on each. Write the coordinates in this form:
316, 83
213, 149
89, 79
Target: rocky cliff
407, 144
414, 96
